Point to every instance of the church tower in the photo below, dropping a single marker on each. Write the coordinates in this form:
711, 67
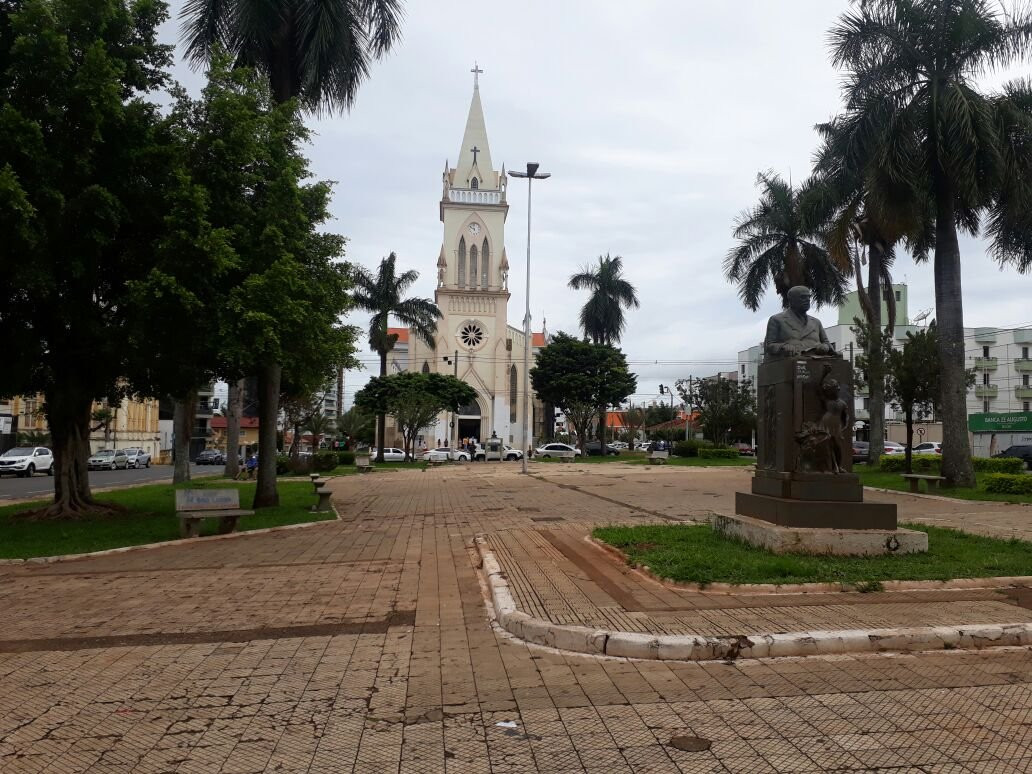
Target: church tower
474, 340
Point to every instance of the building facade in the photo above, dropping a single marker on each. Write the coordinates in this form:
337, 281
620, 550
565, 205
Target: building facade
474, 340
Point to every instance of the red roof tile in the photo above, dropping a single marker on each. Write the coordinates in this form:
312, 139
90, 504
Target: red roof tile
219, 423
402, 334
537, 339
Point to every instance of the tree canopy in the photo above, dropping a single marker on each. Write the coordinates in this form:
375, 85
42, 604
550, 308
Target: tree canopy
727, 408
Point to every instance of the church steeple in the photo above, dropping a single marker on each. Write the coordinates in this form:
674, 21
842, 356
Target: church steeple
475, 154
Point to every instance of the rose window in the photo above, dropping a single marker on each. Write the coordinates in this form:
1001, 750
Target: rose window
471, 334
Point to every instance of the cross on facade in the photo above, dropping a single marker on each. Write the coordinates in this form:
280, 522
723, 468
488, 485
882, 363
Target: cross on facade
476, 75
474, 150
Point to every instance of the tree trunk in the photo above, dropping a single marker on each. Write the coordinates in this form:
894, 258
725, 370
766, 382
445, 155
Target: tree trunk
957, 468
295, 444
265, 493
234, 408
68, 415
184, 418
381, 419
908, 461
875, 359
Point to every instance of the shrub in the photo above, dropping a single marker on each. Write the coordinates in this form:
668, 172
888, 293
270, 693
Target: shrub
922, 463
282, 464
324, 461
686, 449
718, 454
998, 464
1007, 483
346, 458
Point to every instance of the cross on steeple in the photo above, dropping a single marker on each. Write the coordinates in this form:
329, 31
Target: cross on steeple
474, 150
476, 75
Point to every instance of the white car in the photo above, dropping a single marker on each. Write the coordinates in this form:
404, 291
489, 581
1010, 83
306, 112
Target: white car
891, 447
444, 453
390, 454
621, 445
505, 453
928, 447
23, 461
550, 449
108, 459
136, 457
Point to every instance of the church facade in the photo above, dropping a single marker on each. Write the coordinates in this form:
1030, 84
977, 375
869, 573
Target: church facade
474, 340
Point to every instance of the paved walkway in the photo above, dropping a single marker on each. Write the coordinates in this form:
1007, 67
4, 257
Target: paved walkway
363, 645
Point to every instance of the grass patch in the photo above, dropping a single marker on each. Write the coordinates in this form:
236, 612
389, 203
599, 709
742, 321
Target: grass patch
895, 481
639, 458
696, 554
151, 518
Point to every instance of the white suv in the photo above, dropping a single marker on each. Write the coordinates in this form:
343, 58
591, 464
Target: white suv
23, 461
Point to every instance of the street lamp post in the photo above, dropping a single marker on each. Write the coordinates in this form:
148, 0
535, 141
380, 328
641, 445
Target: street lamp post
531, 174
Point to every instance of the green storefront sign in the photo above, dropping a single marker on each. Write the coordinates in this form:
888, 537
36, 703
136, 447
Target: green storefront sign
1016, 422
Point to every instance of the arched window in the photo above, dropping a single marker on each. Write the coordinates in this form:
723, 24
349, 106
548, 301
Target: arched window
473, 266
426, 367
474, 184
485, 263
513, 395
462, 262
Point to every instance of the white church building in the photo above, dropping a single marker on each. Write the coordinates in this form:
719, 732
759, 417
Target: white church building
474, 340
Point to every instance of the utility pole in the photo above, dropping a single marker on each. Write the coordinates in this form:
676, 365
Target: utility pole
454, 415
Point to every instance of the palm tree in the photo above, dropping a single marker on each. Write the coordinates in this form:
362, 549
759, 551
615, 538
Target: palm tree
382, 295
316, 52
779, 244
915, 122
602, 316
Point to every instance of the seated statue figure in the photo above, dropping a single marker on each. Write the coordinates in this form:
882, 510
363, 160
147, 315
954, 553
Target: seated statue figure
792, 333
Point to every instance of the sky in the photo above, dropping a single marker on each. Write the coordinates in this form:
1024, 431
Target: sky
653, 118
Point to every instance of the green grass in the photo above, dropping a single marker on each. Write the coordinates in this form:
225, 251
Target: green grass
639, 458
895, 481
151, 518
696, 554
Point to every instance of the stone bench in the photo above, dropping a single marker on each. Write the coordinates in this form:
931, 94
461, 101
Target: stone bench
363, 463
193, 505
915, 479
658, 457
322, 493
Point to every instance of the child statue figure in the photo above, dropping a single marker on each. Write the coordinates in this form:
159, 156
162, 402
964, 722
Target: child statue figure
821, 442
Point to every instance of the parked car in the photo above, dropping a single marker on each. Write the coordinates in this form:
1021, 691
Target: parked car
861, 449
506, 452
1023, 452
512, 454
210, 457
621, 445
928, 447
594, 449
550, 449
390, 454
444, 453
23, 461
891, 447
138, 458
744, 449
108, 459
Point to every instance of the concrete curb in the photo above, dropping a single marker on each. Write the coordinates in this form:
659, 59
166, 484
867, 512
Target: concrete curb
955, 584
940, 498
583, 639
163, 543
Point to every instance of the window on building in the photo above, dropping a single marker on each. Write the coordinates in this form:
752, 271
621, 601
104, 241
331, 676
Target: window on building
985, 351
1024, 353
985, 377
485, 264
474, 183
426, 367
743, 369
867, 404
461, 281
513, 394
1025, 406
1024, 380
473, 266
985, 406
899, 296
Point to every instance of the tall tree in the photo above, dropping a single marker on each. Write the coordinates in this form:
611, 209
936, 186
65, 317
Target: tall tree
779, 244
913, 382
84, 172
602, 316
727, 408
916, 120
382, 294
579, 376
316, 53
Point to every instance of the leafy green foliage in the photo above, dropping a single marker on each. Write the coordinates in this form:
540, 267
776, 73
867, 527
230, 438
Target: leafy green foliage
346, 458
577, 377
602, 317
1008, 483
727, 409
998, 464
324, 461
919, 463
696, 554
718, 454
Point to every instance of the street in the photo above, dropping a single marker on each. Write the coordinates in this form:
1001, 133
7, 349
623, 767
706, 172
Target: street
42, 485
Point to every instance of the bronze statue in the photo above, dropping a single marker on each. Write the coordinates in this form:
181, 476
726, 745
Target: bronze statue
821, 442
793, 333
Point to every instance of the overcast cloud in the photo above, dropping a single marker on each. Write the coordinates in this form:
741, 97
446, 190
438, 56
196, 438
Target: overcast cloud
653, 118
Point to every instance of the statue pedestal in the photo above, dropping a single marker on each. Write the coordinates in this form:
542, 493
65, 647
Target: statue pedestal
804, 486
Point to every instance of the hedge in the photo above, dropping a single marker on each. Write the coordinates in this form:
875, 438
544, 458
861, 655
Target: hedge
718, 454
324, 461
929, 463
690, 448
1007, 483
346, 458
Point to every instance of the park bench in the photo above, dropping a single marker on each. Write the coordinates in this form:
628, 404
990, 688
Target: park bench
915, 479
193, 505
324, 496
362, 463
658, 457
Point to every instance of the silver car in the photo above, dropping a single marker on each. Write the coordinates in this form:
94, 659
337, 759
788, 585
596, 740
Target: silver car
108, 459
136, 457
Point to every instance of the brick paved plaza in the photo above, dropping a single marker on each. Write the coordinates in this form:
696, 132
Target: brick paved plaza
365, 645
